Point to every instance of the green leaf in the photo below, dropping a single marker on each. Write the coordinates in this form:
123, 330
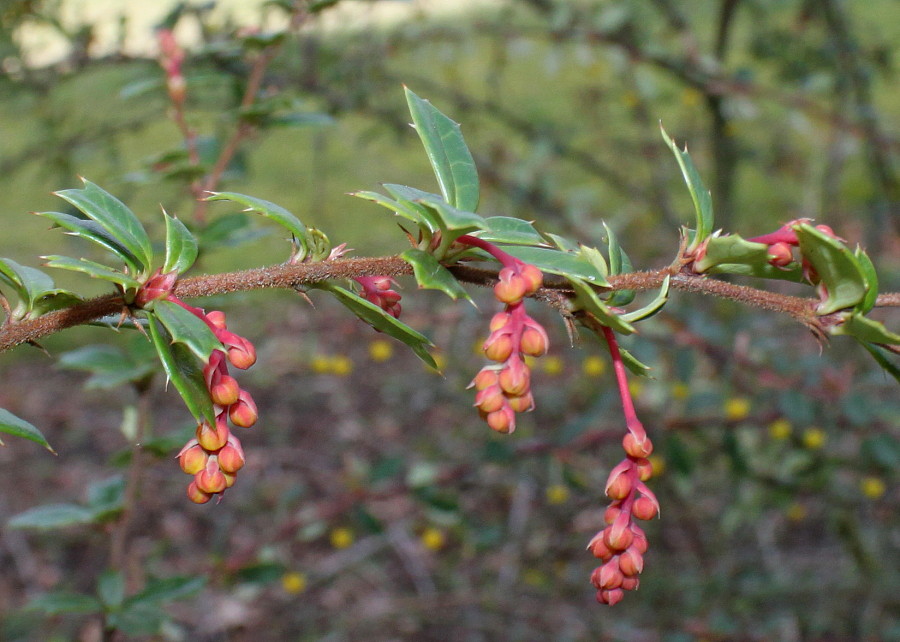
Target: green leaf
168, 590
54, 300
181, 246
703, 211
507, 229
106, 498
114, 217
866, 330
871, 278
62, 602
29, 283
95, 270
411, 198
453, 219
186, 328
96, 233
109, 366
431, 275
886, 365
111, 588
399, 208
588, 300
837, 267
593, 256
634, 366
269, 210
447, 152
137, 620
619, 263
52, 516
381, 320
732, 254
651, 308
181, 368
12, 425
559, 262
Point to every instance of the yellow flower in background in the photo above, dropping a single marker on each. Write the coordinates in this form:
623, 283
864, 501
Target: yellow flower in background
780, 429
796, 512
320, 364
680, 391
433, 538
691, 97
553, 365
737, 408
293, 582
631, 99
381, 350
636, 388
557, 494
593, 366
341, 365
872, 487
341, 538
530, 361
813, 438
658, 463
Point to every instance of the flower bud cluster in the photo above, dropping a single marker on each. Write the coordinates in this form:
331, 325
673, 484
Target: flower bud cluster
170, 59
504, 389
782, 241
378, 290
622, 543
215, 455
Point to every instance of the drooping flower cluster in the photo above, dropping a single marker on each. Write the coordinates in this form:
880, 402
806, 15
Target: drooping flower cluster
504, 389
378, 290
215, 456
622, 544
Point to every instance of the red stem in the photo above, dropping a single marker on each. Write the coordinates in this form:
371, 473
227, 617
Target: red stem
631, 421
507, 260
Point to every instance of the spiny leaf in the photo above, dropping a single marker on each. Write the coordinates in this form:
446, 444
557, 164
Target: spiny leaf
565, 264
732, 254
186, 328
508, 229
430, 274
96, 233
836, 266
93, 269
271, 211
703, 212
588, 300
181, 246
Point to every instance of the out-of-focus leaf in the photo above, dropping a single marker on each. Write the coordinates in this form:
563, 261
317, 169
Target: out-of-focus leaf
431, 275
121, 223
381, 320
260, 573
186, 328
109, 366
703, 212
836, 266
588, 300
182, 370
63, 602
507, 229
52, 516
93, 269
137, 620
271, 211
181, 246
559, 262
447, 152
167, 590
651, 308
882, 360
18, 427
111, 588
228, 231
106, 497
96, 233
732, 254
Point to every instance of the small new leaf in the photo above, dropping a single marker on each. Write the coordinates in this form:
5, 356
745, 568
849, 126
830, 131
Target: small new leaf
837, 267
181, 246
703, 211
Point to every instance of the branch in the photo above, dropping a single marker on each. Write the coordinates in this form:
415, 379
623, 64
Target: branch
292, 277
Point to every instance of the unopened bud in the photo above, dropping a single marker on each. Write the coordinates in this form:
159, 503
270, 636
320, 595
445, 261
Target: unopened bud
230, 478
534, 341
631, 562
780, 254
485, 378
499, 320
515, 378
242, 354
498, 347
598, 547
639, 539
522, 403
212, 438
617, 539
210, 481
644, 468
490, 399
243, 412
224, 390
644, 508
216, 318
630, 584
533, 278
230, 458
192, 459
611, 513
610, 597
620, 486
503, 420
196, 495
510, 288
635, 448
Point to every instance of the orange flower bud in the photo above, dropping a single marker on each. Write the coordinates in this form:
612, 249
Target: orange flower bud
224, 390
617, 539
243, 413
610, 576
490, 399
485, 378
533, 278
498, 347
230, 478
639, 540
636, 448
196, 495
515, 378
193, 459
499, 321
510, 288
631, 562
598, 548
630, 584
210, 480
644, 508
242, 355
644, 468
611, 513
619, 487
212, 438
522, 403
230, 459
534, 341
503, 420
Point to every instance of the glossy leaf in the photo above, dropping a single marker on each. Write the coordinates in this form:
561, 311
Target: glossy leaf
96, 233
731, 254
186, 328
593, 256
634, 365
836, 266
651, 308
559, 262
411, 198
619, 263
703, 212
92, 269
508, 229
52, 516
183, 371
271, 211
431, 275
452, 219
871, 278
447, 152
18, 427
588, 300
28, 282
181, 246
381, 320
114, 217
399, 208
866, 329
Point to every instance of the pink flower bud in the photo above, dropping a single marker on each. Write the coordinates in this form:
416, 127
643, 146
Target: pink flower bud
635, 448
610, 576
534, 341
631, 562
619, 487
485, 378
192, 458
644, 508
515, 378
490, 399
210, 480
532, 276
217, 319
499, 320
639, 539
243, 412
242, 354
224, 390
158, 286
510, 288
230, 459
617, 538
212, 438
503, 420
196, 495
644, 468
522, 403
611, 513
780, 254
630, 584
598, 548
827, 231
610, 597
498, 347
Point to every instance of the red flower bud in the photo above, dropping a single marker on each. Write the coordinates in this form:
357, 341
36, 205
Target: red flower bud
644, 508
490, 399
243, 412
212, 438
616, 538
503, 420
780, 254
635, 448
230, 459
630, 584
619, 487
242, 354
217, 319
158, 286
610, 597
598, 548
224, 390
192, 458
611, 513
631, 562
196, 495
515, 378
610, 576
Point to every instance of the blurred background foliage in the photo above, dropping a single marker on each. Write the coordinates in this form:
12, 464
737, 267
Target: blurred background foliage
375, 505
